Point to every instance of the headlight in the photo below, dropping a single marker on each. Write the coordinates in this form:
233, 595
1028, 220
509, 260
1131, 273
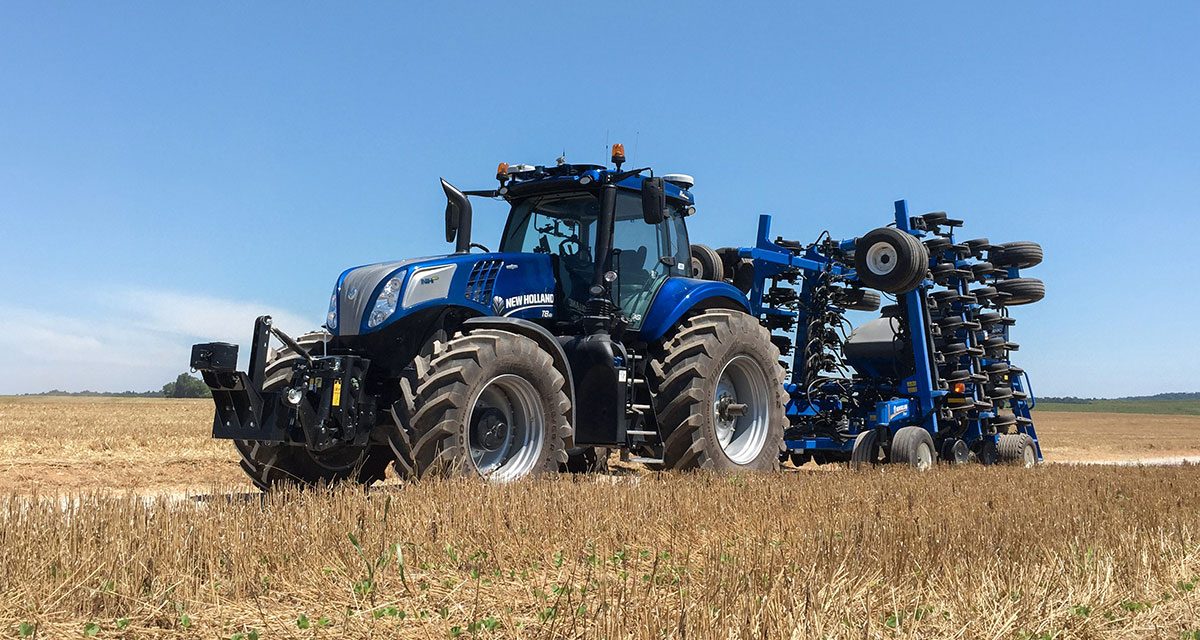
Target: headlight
385, 304
331, 317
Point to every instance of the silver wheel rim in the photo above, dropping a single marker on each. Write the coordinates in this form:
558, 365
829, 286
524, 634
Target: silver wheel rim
1029, 457
741, 431
923, 459
506, 429
881, 258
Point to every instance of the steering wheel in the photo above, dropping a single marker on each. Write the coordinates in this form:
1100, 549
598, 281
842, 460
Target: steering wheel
570, 247
476, 245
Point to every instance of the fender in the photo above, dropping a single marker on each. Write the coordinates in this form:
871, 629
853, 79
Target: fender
677, 296
538, 334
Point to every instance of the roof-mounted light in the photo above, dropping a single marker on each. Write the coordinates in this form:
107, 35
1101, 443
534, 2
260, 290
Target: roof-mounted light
618, 155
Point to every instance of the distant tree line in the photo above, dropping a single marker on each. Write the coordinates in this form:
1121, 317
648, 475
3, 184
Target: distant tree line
1158, 396
184, 386
99, 394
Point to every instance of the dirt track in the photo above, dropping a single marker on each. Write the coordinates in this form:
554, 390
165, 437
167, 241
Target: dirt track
152, 445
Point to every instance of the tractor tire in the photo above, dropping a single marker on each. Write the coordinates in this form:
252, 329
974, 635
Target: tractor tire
913, 446
706, 264
719, 398
867, 451
1021, 290
1017, 449
1022, 254
275, 465
586, 460
890, 260
487, 403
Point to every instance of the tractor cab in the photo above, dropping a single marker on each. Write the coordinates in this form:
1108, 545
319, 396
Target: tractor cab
564, 224
613, 237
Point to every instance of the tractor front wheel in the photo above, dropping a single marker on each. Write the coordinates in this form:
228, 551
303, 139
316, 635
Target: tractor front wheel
488, 403
719, 397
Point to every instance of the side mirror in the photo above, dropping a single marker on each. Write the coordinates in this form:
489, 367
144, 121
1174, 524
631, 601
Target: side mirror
654, 200
458, 217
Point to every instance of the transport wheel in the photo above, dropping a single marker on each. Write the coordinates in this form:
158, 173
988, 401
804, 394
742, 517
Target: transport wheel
913, 446
1021, 290
488, 403
890, 260
1022, 254
867, 451
273, 465
706, 264
1018, 449
719, 397
586, 460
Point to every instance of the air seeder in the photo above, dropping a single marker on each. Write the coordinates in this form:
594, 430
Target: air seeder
598, 326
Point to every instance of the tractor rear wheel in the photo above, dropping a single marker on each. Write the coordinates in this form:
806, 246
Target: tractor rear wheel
719, 398
488, 403
272, 465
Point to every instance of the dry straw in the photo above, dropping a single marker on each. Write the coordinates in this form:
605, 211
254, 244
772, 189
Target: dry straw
1056, 552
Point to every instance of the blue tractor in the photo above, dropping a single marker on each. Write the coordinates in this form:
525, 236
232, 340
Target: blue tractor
597, 326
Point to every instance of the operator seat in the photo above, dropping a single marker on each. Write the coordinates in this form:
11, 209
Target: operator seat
635, 280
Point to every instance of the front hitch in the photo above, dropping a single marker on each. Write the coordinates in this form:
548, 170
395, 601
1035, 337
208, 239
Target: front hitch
321, 406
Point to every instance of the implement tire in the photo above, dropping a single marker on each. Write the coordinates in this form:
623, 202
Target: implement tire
719, 398
1016, 449
706, 263
890, 260
1021, 290
488, 403
866, 452
274, 465
913, 446
1022, 254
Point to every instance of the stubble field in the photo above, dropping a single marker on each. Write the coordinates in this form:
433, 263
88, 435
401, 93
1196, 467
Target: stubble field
120, 518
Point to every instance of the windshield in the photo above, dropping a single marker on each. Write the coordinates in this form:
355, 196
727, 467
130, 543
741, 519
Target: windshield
564, 227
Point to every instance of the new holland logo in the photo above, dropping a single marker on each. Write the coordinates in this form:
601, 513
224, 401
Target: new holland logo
513, 303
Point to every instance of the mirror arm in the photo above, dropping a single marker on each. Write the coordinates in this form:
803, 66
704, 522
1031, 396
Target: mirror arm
617, 177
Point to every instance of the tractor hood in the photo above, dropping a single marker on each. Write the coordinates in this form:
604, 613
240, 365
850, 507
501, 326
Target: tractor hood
372, 297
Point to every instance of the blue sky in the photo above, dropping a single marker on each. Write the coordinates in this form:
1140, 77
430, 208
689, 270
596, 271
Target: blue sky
167, 172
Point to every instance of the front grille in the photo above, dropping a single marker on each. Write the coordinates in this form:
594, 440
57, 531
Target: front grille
482, 280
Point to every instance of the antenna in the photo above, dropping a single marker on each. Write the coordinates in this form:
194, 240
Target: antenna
605, 156
636, 135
